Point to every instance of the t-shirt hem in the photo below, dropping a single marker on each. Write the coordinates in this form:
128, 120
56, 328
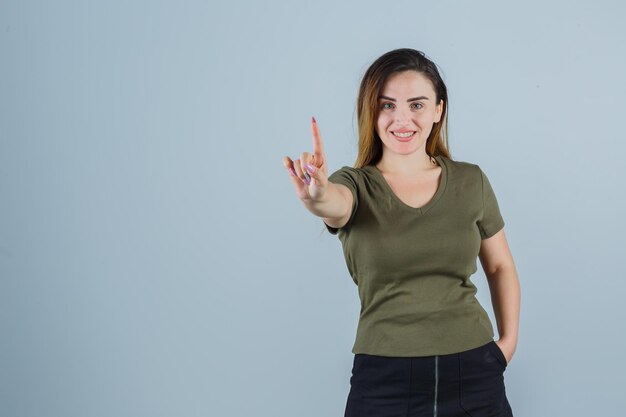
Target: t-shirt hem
414, 354
486, 234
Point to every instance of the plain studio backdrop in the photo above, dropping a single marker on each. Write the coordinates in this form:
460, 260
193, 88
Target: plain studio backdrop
154, 257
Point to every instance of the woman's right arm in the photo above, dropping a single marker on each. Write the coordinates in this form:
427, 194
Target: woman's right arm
335, 207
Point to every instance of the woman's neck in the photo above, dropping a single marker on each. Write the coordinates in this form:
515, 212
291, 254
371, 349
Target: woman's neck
406, 165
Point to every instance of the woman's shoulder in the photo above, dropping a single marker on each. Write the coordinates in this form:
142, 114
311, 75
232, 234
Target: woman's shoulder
346, 170
453, 166
460, 167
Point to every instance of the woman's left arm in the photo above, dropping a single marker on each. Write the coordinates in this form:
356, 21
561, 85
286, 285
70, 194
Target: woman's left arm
497, 262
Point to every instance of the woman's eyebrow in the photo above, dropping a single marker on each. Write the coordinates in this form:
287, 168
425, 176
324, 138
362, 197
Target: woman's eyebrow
411, 99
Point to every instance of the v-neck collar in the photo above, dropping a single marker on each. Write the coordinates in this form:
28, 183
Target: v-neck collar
443, 180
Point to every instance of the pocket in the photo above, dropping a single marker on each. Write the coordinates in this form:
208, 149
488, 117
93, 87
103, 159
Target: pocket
481, 381
498, 353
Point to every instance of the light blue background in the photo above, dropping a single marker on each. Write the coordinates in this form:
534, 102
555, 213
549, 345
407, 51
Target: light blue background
155, 260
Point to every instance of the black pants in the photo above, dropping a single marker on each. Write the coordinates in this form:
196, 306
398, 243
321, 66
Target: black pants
464, 384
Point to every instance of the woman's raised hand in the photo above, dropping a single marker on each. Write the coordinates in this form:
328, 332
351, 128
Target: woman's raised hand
309, 173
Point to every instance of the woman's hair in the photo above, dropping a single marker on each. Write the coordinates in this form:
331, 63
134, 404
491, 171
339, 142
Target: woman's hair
369, 144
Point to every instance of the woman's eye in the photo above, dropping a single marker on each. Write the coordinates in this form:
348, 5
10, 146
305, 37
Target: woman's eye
390, 105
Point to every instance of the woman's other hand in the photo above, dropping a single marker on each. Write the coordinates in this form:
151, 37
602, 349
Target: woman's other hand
507, 347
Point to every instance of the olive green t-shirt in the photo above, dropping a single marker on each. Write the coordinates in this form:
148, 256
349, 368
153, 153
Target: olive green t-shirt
412, 265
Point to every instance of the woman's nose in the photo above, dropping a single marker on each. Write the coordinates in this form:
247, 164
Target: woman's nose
403, 116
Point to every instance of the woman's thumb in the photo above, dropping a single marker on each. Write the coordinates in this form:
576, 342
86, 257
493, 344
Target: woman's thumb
313, 171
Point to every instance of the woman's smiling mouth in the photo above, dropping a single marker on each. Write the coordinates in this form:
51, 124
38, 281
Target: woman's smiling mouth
404, 136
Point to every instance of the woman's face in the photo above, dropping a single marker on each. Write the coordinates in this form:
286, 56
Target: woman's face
407, 104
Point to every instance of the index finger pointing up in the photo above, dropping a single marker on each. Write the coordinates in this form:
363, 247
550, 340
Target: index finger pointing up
318, 147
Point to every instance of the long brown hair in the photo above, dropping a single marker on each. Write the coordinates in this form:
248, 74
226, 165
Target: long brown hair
370, 148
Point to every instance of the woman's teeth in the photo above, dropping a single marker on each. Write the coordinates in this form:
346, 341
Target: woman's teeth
403, 135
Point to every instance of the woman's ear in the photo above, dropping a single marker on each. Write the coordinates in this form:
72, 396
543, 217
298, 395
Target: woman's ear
439, 111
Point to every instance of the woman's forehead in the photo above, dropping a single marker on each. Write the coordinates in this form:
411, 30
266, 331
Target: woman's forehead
408, 87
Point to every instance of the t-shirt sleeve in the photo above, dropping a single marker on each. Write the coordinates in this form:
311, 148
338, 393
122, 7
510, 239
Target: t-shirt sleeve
491, 220
347, 176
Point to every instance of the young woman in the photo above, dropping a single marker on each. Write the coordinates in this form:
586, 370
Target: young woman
412, 222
